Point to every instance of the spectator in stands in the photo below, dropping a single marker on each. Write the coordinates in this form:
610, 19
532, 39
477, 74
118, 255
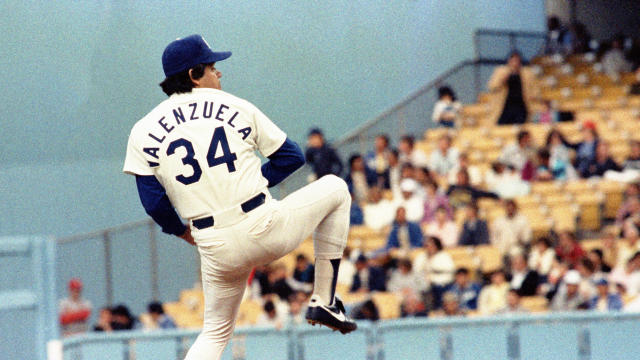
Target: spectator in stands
378, 212
270, 316
610, 247
320, 156
367, 277
158, 316
520, 153
444, 158
630, 244
104, 320
577, 39
405, 280
74, 310
513, 304
443, 228
466, 290
569, 249
433, 200
614, 60
547, 171
409, 153
630, 209
475, 176
404, 234
511, 231
122, 319
446, 111
297, 308
587, 272
395, 172
541, 257
505, 181
596, 256
493, 297
515, 85
555, 36
366, 311
568, 298
377, 161
359, 178
605, 300
559, 153
628, 276
303, 273
463, 193
601, 163
436, 266
347, 269
524, 280
548, 115
411, 200
412, 305
586, 149
474, 230
451, 305
356, 216
278, 282
633, 160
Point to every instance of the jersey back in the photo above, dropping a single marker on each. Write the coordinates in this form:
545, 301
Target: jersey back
201, 147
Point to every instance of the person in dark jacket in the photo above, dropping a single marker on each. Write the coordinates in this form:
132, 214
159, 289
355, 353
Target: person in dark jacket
601, 163
322, 157
475, 230
367, 278
523, 280
463, 193
404, 234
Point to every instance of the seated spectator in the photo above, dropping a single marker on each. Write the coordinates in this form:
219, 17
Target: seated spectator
577, 39
359, 179
493, 297
630, 208
569, 249
630, 243
320, 156
587, 272
435, 265
548, 171
628, 276
74, 310
158, 316
444, 158
104, 320
395, 172
475, 176
446, 111
548, 115
405, 280
412, 305
515, 85
279, 284
366, 311
347, 269
513, 304
356, 216
541, 257
605, 300
378, 212
518, 154
474, 230
466, 290
434, 199
411, 200
443, 228
303, 275
559, 151
297, 308
367, 277
614, 60
377, 161
270, 316
523, 280
568, 298
600, 268
122, 319
511, 231
404, 235
505, 181
463, 193
555, 34
586, 149
451, 305
409, 154
633, 160
601, 163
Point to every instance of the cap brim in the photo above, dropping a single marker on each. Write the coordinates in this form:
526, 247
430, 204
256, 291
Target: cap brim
216, 56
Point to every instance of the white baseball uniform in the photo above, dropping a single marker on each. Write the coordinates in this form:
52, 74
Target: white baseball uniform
201, 148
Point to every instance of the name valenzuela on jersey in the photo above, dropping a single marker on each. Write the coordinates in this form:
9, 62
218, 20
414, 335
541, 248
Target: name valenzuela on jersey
196, 111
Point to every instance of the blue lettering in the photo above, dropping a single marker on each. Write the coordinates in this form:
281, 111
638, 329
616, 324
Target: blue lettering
204, 111
245, 132
220, 111
178, 115
156, 138
152, 151
193, 111
230, 122
164, 125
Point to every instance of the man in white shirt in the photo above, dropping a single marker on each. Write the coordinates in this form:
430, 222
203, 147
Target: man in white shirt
409, 154
512, 231
519, 153
445, 157
378, 212
411, 200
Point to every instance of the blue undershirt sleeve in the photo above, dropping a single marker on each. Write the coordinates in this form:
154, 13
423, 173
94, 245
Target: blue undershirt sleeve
282, 163
157, 205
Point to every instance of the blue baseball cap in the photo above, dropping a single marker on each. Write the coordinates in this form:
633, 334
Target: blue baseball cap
185, 53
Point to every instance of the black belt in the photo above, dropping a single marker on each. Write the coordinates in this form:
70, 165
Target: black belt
246, 206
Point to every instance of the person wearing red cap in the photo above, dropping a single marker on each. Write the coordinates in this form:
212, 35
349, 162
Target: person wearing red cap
74, 310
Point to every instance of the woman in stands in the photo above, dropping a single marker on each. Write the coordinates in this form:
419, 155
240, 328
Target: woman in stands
515, 85
447, 108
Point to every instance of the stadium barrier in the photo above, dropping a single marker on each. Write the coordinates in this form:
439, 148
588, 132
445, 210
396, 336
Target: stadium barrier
582, 335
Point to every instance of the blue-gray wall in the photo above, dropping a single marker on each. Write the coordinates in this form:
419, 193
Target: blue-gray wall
76, 75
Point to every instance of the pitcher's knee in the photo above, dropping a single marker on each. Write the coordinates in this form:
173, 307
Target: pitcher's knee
336, 183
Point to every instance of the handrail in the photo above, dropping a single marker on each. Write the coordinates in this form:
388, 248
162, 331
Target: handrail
518, 33
99, 233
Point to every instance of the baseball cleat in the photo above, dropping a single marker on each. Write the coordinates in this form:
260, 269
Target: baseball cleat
333, 317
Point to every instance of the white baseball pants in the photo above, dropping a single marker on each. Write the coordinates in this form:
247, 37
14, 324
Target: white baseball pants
267, 233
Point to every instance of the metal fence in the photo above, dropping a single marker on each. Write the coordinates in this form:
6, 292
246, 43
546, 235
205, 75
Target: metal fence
581, 335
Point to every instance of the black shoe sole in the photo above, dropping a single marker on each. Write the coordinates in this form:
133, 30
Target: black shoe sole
343, 331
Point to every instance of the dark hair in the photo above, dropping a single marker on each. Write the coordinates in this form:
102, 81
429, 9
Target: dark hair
353, 158
599, 253
268, 306
462, 271
181, 82
409, 139
544, 240
515, 53
155, 308
436, 241
385, 137
395, 152
301, 257
588, 264
473, 206
560, 135
405, 262
522, 134
446, 90
544, 154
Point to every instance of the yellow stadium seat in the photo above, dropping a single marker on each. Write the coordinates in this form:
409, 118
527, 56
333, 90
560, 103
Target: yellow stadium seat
613, 197
590, 214
490, 258
249, 312
388, 304
591, 244
463, 257
535, 304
